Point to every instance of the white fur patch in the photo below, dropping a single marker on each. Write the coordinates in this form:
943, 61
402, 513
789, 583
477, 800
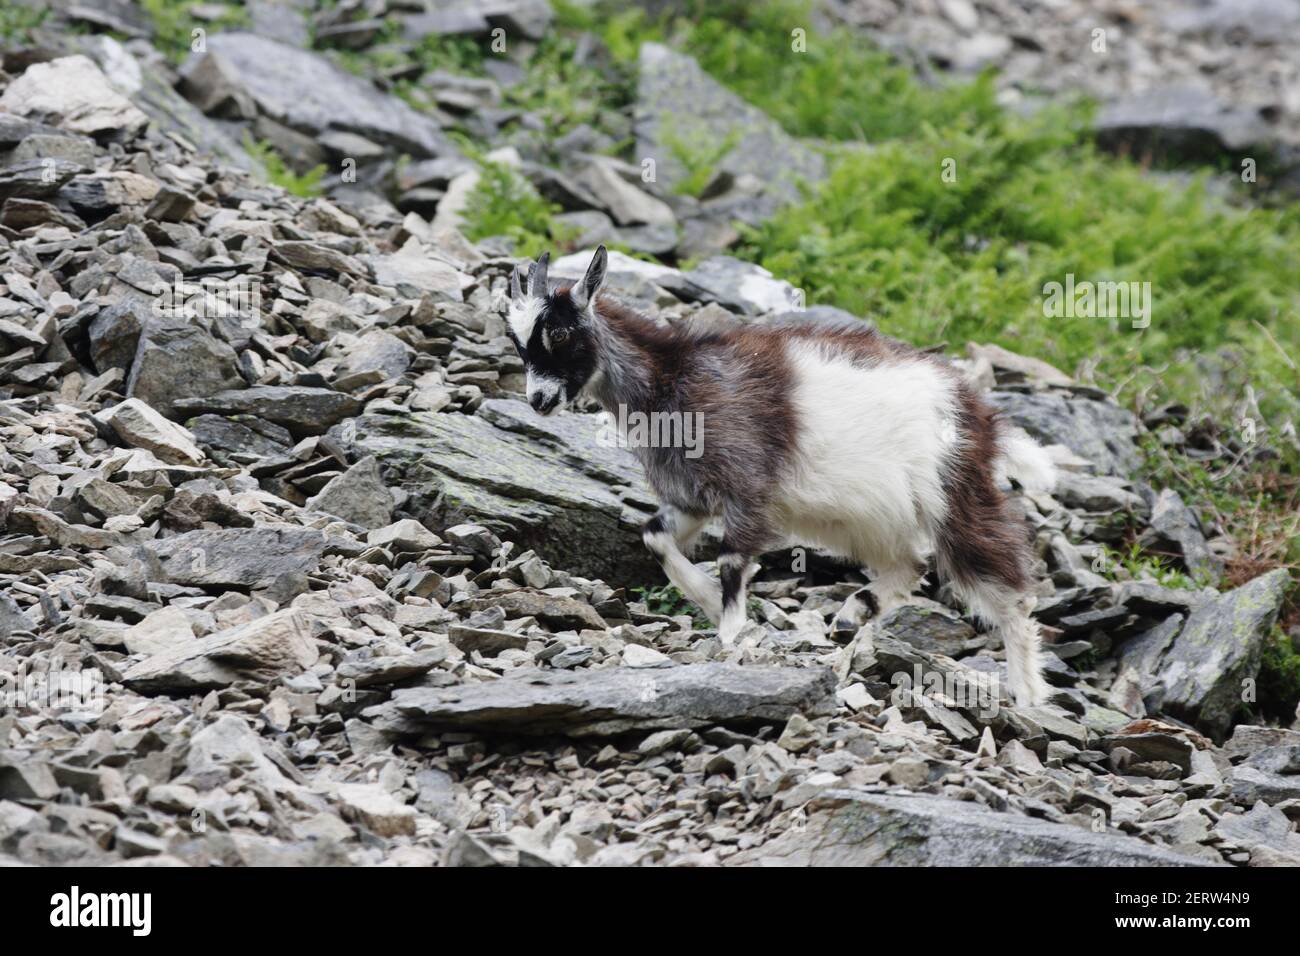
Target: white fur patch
523, 316
1026, 461
542, 386
872, 445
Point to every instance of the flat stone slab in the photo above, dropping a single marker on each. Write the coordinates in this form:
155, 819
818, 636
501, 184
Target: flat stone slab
236, 557
615, 700
543, 483
848, 828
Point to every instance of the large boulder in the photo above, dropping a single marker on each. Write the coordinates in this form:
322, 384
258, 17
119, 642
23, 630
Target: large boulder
543, 483
1199, 672
679, 106
616, 700
73, 94
848, 828
304, 91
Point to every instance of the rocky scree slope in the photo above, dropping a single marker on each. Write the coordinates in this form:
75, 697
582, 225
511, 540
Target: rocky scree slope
306, 583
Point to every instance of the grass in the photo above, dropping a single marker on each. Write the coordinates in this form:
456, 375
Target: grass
670, 602
174, 25
699, 159
1138, 565
1279, 678
305, 184
17, 22
504, 203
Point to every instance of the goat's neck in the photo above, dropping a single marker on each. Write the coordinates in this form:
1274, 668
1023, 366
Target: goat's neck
626, 362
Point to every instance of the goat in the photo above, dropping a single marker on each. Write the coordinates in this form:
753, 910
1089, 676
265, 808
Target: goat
836, 437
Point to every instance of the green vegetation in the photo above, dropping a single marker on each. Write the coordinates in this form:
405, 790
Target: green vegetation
504, 203
669, 601
305, 184
174, 25
700, 160
17, 22
1137, 565
1279, 678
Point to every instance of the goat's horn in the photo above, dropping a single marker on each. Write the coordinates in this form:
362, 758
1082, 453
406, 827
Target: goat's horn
516, 290
537, 276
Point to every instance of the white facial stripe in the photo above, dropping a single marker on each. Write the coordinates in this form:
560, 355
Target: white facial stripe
523, 316
544, 386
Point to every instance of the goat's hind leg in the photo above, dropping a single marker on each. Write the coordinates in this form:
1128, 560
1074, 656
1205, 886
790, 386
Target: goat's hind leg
1006, 611
670, 530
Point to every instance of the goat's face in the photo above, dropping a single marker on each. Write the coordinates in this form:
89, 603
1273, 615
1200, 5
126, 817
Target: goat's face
554, 333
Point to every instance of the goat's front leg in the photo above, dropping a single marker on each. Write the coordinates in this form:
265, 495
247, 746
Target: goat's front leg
743, 539
665, 535
735, 568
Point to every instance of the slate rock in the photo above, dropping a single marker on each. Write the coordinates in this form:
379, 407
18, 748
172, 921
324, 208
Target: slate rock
179, 360
1199, 675
305, 91
616, 700
73, 94
303, 409
236, 557
555, 498
1102, 432
1186, 121
140, 426
358, 495
848, 828
278, 644
1174, 529
677, 102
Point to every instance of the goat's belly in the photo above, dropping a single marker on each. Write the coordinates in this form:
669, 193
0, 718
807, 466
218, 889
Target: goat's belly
870, 451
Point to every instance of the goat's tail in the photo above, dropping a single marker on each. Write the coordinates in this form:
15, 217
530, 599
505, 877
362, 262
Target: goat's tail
1025, 460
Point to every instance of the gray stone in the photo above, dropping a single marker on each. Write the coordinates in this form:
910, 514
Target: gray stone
616, 700
307, 92
358, 495
12, 618
264, 648
1185, 120
1102, 432
73, 94
930, 628
553, 496
678, 106
1200, 676
236, 557
627, 204
175, 361
1174, 529
303, 409
848, 828
742, 287
115, 333
140, 426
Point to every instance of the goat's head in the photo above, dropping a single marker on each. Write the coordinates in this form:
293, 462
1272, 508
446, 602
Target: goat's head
555, 332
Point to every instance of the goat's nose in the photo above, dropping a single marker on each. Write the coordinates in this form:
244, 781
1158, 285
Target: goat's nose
543, 401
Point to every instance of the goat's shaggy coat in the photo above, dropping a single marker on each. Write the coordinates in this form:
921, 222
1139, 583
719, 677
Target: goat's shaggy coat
831, 436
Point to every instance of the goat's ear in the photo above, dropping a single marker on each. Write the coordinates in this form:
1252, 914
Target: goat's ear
584, 292
516, 288
537, 276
